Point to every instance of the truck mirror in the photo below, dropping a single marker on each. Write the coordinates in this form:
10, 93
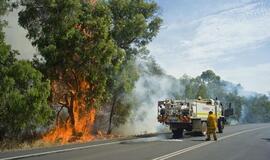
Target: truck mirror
228, 112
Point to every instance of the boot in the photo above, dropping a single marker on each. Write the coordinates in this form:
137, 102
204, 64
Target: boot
208, 137
215, 136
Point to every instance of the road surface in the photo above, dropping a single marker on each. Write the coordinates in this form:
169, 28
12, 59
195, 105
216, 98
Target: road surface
241, 142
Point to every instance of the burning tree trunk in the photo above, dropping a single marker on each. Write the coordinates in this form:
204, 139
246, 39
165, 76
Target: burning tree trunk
80, 120
71, 117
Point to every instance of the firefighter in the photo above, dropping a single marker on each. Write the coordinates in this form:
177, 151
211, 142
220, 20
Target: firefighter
211, 126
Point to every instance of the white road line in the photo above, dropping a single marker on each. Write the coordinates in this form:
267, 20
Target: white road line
170, 140
167, 156
182, 151
59, 151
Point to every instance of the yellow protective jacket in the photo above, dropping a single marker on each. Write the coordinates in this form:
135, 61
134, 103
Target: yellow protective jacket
211, 122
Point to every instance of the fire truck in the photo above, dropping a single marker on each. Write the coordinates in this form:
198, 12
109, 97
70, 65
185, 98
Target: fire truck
190, 115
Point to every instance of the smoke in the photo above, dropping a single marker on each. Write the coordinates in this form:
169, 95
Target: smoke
249, 106
232, 121
152, 86
244, 114
237, 96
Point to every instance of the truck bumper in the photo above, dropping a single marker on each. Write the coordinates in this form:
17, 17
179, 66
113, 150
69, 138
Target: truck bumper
177, 125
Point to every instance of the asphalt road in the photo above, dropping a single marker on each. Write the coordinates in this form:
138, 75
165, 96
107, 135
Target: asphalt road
241, 142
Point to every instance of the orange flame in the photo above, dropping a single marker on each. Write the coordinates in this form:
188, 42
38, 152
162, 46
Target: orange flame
84, 121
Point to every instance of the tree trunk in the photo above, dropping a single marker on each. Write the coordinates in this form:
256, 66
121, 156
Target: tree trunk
71, 115
57, 116
111, 116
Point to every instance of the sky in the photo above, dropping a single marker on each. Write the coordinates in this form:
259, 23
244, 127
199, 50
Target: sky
230, 37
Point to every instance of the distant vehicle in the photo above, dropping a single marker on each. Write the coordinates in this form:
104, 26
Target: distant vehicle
190, 115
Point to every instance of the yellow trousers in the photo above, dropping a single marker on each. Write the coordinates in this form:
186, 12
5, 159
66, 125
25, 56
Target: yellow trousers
211, 131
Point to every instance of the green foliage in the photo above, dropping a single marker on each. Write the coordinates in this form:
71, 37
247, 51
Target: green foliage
202, 91
191, 86
23, 92
23, 100
151, 67
134, 23
209, 76
23, 96
258, 109
209, 85
4, 7
4, 48
236, 102
74, 38
122, 111
120, 91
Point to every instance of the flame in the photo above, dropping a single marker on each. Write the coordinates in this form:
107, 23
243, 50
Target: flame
84, 122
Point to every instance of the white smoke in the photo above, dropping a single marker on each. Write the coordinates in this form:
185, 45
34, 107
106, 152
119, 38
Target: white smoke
149, 89
244, 114
232, 121
245, 110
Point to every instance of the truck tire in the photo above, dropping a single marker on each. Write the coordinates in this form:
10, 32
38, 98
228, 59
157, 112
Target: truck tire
220, 125
178, 133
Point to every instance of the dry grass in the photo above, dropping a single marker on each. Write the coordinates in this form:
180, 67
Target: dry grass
13, 145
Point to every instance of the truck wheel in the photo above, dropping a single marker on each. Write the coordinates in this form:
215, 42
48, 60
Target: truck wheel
178, 133
220, 126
